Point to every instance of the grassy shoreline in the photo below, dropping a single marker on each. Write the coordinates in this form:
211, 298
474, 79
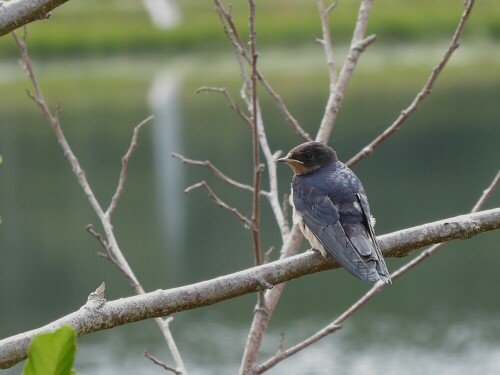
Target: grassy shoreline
93, 27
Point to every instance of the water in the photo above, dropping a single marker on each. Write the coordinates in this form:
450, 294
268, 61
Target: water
440, 318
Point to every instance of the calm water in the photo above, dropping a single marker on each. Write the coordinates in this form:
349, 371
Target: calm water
440, 318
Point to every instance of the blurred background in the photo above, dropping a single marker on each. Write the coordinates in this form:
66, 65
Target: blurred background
113, 63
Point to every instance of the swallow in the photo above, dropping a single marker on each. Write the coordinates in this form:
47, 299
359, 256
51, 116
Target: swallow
330, 205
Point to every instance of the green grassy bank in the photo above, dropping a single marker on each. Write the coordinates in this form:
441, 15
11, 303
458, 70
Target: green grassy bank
122, 26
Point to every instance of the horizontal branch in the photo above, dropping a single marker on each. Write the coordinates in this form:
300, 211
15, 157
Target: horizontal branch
16, 13
95, 317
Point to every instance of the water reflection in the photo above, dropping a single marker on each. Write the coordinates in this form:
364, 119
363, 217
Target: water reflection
164, 100
422, 174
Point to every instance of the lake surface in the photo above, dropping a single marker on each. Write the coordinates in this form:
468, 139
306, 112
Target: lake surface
440, 318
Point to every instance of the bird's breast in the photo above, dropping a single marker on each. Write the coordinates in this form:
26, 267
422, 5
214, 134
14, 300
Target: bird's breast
297, 219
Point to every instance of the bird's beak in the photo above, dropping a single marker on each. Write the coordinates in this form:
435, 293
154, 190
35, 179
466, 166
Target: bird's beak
289, 161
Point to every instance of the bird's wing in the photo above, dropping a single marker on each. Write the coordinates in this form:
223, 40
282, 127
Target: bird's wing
322, 218
380, 262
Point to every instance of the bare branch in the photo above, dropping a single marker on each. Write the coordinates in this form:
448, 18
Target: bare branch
487, 193
114, 252
257, 173
90, 229
327, 42
165, 302
285, 353
232, 104
17, 13
162, 364
216, 172
283, 109
125, 160
239, 47
293, 237
243, 56
203, 185
331, 6
358, 43
424, 92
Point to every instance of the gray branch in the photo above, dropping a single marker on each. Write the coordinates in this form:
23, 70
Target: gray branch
16, 13
93, 317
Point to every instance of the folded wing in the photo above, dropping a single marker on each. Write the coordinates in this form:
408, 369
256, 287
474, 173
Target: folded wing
355, 251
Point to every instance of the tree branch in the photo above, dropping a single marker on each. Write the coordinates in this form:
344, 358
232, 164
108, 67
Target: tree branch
206, 163
293, 237
125, 160
338, 87
219, 202
243, 57
232, 104
16, 13
239, 47
257, 169
164, 302
156, 361
113, 250
426, 90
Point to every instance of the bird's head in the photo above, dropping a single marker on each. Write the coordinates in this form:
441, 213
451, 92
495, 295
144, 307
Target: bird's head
308, 157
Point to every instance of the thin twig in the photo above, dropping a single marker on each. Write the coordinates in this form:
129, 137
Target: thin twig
162, 364
203, 185
207, 164
125, 160
239, 46
90, 229
326, 42
108, 254
487, 193
232, 104
424, 92
285, 353
331, 6
377, 287
358, 44
242, 57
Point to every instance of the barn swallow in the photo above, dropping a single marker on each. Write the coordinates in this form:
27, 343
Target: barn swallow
331, 207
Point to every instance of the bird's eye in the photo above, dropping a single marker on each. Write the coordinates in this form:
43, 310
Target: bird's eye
308, 155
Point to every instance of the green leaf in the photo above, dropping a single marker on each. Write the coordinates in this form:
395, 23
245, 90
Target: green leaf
52, 353
1, 159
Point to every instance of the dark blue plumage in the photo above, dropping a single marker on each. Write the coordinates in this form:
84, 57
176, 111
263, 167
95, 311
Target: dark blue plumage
332, 210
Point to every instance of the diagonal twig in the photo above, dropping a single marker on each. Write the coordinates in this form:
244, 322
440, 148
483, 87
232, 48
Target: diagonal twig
125, 160
242, 57
232, 104
219, 202
358, 44
239, 46
156, 361
216, 171
326, 42
426, 90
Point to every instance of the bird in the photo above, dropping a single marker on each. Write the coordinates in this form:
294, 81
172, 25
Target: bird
331, 207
